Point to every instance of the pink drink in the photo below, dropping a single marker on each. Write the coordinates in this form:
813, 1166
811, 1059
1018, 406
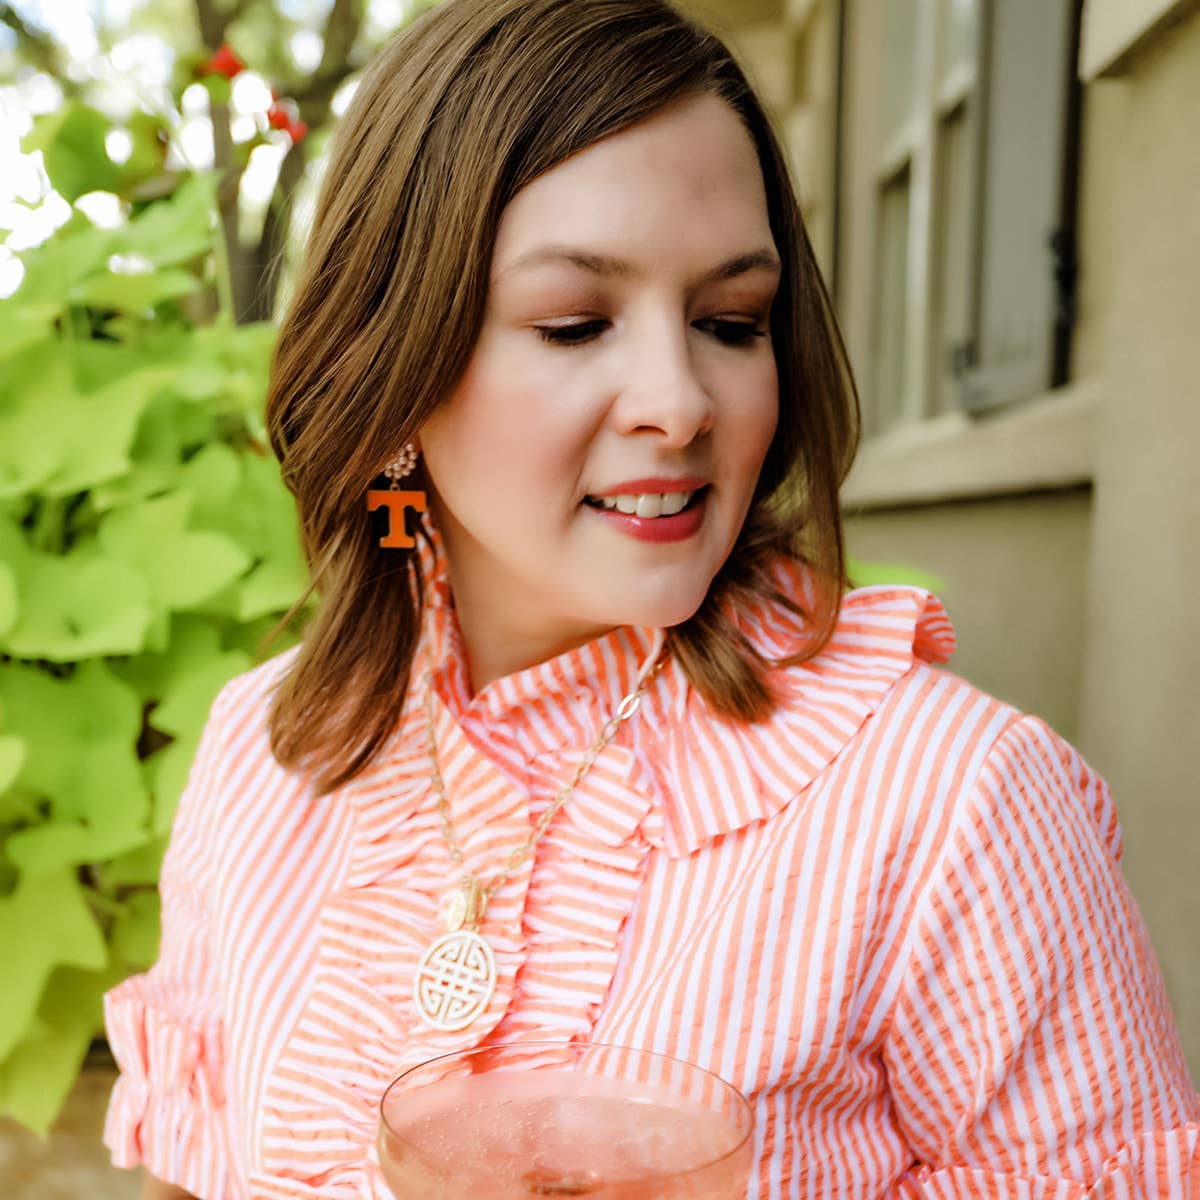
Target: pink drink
559, 1130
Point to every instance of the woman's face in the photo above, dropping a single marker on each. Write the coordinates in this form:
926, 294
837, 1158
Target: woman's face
625, 360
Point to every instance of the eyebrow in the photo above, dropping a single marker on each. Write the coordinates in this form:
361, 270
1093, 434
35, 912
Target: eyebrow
603, 264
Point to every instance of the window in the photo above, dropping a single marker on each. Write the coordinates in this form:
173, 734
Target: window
965, 113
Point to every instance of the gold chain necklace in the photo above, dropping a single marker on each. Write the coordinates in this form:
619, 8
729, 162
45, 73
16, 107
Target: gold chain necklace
456, 977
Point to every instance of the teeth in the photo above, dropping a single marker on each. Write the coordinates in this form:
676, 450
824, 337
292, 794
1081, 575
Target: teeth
665, 504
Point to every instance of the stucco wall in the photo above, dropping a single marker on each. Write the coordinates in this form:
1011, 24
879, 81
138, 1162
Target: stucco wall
1015, 577
1140, 717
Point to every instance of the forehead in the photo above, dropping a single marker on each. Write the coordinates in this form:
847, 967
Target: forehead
687, 179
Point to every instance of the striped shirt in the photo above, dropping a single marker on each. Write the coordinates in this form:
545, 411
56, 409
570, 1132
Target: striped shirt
892, 915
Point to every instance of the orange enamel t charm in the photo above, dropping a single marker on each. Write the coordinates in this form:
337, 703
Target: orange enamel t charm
396, 502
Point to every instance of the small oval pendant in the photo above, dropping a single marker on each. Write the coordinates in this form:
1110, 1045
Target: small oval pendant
456, 910
465, 907
455, 981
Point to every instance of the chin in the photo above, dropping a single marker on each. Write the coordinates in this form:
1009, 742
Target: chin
666, 611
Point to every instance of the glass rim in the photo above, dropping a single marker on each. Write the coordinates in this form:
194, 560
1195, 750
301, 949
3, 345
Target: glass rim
741, 1102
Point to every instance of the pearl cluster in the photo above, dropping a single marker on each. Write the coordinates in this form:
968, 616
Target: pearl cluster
402, 465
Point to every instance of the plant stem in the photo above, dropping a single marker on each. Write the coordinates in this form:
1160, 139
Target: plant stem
226, 313
49, 525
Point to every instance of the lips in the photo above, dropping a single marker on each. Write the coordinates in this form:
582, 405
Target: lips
660, 528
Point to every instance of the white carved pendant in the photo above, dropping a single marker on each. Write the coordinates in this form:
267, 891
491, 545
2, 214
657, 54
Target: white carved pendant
455, 981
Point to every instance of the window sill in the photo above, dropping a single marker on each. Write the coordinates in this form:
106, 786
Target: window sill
1113, 30
1045, 443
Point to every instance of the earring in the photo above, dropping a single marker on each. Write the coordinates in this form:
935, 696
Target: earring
397, 501
402, 465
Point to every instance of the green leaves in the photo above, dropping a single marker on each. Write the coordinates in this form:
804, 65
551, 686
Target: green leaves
179, 228
72, 144
868, 574
146, 542
59, 438
12, 758
45, 923
71, 606
8, 599
37, 1075
133, 292
183, 567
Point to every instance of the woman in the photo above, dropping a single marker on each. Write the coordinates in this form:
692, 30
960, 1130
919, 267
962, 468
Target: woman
558, 293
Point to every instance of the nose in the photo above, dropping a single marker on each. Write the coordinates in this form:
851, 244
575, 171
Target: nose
663, 391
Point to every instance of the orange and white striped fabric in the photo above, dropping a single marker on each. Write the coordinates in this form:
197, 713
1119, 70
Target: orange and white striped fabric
892, 915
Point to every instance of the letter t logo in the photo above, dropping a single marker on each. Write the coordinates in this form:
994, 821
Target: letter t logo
396, 502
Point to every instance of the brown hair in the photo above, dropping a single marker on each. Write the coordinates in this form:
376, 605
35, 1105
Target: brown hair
451, 119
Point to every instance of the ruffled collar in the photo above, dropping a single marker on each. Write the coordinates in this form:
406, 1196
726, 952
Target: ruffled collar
708, 775
584, 685
716, 775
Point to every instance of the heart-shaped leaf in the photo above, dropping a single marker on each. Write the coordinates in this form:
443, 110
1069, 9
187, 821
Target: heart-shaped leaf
272, 587
184, 567
137, 867
186, 702
73, 606
169, 770
135, 935
178, 229
45, 923
193, 641
59, 719
31, 388
38, 1074
23, 325
97, 444
8, 599
71, 139
134, 292
55, 844
12, 759
51, 269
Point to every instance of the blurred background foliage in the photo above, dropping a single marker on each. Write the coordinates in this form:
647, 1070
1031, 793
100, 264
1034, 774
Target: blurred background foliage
147, 544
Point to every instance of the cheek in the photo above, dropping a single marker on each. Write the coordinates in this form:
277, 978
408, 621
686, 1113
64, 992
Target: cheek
494, 449
474, 431
758, 419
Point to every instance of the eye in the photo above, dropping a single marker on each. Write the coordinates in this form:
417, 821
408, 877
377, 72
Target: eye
571, 335
731, 332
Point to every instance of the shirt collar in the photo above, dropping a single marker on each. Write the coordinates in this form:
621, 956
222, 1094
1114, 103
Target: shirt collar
715, 775
709, 774
559, 705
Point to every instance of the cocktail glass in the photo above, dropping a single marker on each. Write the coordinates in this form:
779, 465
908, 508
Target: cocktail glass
533, 1119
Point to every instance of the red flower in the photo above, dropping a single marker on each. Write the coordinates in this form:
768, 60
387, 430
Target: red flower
277, 118
224, 62
298, 131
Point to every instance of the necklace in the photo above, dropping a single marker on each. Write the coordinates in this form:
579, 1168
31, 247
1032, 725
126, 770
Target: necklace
456, 977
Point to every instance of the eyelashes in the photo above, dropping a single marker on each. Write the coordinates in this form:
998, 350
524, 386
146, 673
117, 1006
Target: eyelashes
570, 335
579, 333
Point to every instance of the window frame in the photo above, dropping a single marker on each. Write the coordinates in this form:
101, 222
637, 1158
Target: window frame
944, 342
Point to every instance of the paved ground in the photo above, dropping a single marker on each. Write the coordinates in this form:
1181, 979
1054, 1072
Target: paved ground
71, 1164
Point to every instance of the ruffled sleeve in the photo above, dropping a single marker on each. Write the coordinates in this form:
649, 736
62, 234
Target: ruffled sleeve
1032, 1053
167, 1110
